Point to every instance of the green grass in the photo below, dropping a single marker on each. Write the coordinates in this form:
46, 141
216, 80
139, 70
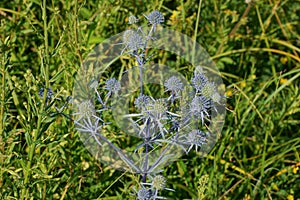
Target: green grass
256, 48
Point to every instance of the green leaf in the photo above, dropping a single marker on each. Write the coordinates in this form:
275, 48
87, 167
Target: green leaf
57, 76
227, 60
11, 172
28, 138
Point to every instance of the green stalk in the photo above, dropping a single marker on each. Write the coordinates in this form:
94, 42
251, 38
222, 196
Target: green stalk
3, 64
266, 40
257, 50
37, 132
196, 31
2, 101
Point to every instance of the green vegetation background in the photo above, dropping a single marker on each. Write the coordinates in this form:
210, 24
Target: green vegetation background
255, 46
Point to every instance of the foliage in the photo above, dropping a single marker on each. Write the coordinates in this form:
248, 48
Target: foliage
255, 46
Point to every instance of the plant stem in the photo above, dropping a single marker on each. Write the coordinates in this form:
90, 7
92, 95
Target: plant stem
37, 132
146, 161
196, 31
3, 63
235, 28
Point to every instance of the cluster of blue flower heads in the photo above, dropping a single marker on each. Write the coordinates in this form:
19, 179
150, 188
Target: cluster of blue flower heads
175, 120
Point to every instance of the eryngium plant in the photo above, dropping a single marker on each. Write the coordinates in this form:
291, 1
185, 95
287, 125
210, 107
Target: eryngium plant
187, 115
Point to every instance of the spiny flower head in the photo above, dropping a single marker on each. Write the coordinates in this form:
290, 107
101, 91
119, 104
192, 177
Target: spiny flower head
155, 17
159, 182
157, 108
174, 85
199, 81
142, 101
196, 138
208, 90
132, 19
200, 106
112, 85
132, 40
144, 194
86, 109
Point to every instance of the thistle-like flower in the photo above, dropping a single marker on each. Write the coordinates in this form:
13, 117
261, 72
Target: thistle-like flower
195, 138
199, 81
159, 182
142, 101
87, 121
174, 85
156, 113
200, 107
112, 85
132, 19
86, 110
163, 124
144, 194
208, 90
132, 40
155, 17
156, 109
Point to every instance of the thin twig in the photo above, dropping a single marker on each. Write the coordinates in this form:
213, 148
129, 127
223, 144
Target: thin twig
235, 28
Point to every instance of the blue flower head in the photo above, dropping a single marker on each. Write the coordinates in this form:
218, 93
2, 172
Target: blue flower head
144, 194
142, 101
200, 107
174, 85
112, 85
156, 109
155, 17
49, 93
198, 81
132, 40
196, 138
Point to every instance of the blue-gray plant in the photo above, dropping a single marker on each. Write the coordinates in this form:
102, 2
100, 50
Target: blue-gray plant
169, 122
